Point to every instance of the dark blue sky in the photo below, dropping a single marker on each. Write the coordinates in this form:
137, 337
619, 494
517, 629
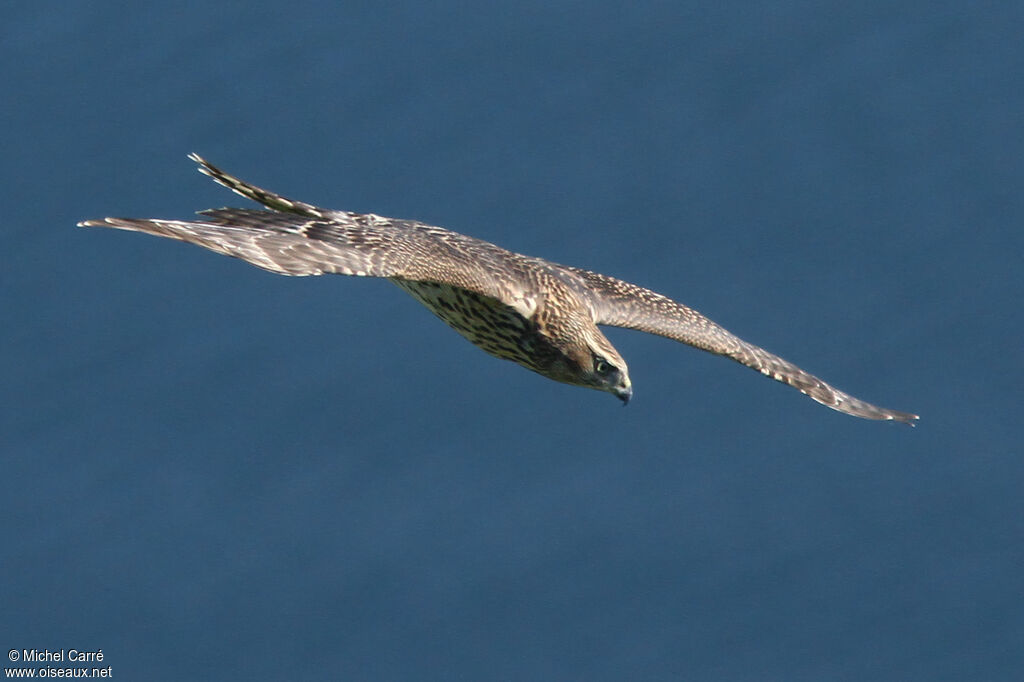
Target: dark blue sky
211, 471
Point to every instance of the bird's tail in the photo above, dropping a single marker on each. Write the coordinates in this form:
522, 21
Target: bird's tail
271, 200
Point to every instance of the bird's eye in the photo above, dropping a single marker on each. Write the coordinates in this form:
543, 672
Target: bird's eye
602, 367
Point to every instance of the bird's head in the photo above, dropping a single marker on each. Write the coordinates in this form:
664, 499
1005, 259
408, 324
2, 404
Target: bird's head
611, 376
592, 362
571, 349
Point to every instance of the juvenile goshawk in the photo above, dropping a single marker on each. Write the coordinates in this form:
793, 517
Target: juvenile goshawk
539, 314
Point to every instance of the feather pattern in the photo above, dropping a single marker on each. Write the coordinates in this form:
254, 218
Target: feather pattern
537, 313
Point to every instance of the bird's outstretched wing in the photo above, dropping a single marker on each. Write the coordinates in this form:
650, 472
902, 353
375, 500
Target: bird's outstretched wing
621, 304
295, 238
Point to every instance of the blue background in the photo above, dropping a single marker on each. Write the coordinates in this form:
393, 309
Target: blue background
213, 472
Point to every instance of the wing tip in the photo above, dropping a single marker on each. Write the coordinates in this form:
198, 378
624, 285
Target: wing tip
904, 418
94, 222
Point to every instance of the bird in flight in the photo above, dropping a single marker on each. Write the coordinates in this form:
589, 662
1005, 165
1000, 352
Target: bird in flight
539, 314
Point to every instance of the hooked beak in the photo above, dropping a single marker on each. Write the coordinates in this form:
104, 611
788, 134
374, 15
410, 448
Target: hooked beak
624, 393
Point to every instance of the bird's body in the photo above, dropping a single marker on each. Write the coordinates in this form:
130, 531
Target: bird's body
539, 314
497, 328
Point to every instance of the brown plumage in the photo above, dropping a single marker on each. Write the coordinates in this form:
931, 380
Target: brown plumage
539, 314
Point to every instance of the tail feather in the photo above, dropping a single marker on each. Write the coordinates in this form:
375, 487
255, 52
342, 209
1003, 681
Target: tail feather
257, 194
